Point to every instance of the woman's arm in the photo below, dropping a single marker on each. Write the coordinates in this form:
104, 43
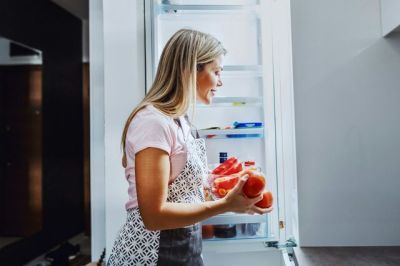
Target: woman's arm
152, 170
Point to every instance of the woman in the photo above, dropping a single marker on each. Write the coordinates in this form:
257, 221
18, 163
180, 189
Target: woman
164, 164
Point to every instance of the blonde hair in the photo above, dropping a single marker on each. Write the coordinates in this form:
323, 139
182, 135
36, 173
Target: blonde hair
174, 88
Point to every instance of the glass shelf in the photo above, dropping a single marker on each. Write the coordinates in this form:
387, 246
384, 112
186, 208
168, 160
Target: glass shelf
260, 242
231, 133
169, 8
209, 2
233, 102
235, 227
257, 69
235, 218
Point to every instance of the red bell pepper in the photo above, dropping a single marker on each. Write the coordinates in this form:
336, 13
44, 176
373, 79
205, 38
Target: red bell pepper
226, 182
224, 166
235, 168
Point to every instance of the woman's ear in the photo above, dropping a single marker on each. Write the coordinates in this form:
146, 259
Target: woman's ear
200, 67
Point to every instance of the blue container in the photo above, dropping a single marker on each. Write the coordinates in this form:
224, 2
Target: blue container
247, 124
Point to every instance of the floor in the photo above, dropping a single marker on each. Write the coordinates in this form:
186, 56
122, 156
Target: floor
306, 256
348, 256
83, 257
4, 241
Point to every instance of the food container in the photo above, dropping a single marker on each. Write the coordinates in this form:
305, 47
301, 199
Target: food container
225, 230
207, 231
250, 229
220, 185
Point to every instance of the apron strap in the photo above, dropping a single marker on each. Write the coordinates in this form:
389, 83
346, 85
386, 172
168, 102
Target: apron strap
193, 129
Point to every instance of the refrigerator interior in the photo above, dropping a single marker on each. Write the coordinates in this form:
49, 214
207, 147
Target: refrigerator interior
242, 98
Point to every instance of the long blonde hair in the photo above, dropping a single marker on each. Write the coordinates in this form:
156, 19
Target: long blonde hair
174, 88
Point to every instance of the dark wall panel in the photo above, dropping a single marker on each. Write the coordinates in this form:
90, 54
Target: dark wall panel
45, 26
21, 150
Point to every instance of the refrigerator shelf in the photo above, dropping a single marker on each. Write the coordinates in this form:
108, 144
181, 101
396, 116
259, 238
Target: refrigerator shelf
240, 240
235, 218
167, 8
231, 133
238, 245
256, 69
233, 102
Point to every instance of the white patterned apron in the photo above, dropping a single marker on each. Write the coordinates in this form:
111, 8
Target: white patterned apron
135, 245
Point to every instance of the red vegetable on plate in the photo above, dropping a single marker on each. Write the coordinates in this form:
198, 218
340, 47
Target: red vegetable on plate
266, 201
227, 175
254, 185
224, 166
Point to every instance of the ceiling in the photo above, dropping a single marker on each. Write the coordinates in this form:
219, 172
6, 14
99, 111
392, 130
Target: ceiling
79, 8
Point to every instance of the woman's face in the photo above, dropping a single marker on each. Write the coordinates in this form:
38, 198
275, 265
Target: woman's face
208, 80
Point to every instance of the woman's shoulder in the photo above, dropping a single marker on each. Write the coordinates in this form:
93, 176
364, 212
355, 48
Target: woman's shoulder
149, 116
150, 128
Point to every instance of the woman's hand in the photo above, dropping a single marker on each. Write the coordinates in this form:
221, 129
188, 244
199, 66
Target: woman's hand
236, 201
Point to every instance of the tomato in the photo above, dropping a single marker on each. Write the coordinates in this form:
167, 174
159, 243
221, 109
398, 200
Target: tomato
255, 183
226, 182
266, 201
207, 231
225, 165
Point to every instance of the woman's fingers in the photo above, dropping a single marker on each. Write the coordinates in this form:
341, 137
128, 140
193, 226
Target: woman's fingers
250, 212
242, 202
240, 184
256, 199
259, 210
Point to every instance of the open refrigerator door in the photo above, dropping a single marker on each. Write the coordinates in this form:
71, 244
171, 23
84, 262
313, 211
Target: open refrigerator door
246, 119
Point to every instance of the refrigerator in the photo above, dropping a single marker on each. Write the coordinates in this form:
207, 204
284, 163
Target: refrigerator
257, 94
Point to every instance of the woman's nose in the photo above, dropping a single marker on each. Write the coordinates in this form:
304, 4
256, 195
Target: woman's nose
219, 84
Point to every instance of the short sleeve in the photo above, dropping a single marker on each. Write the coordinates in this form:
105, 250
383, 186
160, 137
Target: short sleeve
149, 132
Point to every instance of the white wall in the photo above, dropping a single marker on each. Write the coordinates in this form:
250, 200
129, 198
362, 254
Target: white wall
119, 26
390, 10
346, 86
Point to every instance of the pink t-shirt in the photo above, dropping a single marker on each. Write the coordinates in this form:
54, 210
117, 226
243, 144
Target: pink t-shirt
151, 128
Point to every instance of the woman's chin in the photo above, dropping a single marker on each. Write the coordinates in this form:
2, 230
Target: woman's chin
205, 101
